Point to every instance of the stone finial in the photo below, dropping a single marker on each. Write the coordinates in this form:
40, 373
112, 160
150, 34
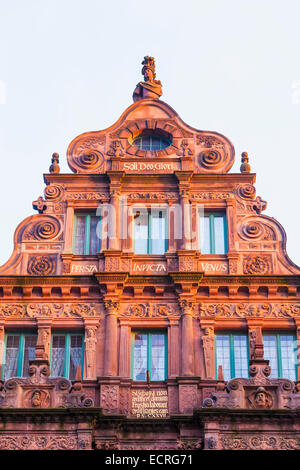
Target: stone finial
245, 167
150, 88
54, 167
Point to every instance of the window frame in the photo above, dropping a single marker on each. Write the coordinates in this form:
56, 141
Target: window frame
149, 334
67, 353
87, 232
231, 335
278, 334
149, 230
212, 236
21, 350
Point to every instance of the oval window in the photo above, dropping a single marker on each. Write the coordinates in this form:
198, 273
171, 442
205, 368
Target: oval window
151, 140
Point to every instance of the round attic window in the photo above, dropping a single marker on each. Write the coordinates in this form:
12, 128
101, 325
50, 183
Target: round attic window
152, 140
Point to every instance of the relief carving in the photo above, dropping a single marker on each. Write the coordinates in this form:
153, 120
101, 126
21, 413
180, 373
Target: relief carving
43, 229
208, 349
90, 351
42, 265
257, 265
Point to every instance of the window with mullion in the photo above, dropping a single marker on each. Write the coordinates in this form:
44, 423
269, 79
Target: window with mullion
213, 233
86, 238
66, 354
18, 351
149, 353
231, 352
281, 350
150, 232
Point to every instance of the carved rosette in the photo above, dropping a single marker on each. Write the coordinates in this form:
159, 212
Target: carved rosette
42, 265
257, 265
246, 191
53, 192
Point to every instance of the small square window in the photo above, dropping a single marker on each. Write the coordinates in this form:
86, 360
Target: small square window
66, 355
213, 233
19, 350
150, 232
231, 352
149, 354
86, 238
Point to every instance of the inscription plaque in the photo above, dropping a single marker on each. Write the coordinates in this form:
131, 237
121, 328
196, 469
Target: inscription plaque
150, 403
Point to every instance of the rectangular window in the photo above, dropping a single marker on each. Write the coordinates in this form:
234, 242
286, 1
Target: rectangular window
231, 352
281, 351
213, 233
150, 232
149, 353
19, 350
66, 355
86, 237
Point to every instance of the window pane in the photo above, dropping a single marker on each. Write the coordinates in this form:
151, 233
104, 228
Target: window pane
158, 233
240, 356
141, 233
94, 235
288, 350
223, 355
79, 235
270, 353
58, 356
219, 235
158, 357
75, 355
205, 235
29, 352
140, 357
11, 357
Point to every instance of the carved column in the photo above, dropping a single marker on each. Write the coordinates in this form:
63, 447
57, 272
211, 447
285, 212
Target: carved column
44, 335
68, 248
1, 347
298, 350
173, 341
114, 229
208, 339
187, 337
90, 345
124, 354
111, 337
256, 347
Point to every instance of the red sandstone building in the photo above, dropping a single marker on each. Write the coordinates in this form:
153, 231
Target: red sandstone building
149, 304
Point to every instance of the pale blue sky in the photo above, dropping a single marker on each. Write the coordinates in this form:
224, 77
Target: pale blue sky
70, 66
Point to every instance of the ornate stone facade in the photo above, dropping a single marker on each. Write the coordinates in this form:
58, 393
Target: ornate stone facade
96, 300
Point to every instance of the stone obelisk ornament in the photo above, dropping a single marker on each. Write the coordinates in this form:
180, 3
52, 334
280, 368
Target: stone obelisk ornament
150, 88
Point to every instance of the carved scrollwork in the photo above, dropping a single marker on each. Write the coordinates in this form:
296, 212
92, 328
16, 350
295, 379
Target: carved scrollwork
88, 160
45, 228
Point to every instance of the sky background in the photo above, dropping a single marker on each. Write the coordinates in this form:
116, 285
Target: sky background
70, 66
